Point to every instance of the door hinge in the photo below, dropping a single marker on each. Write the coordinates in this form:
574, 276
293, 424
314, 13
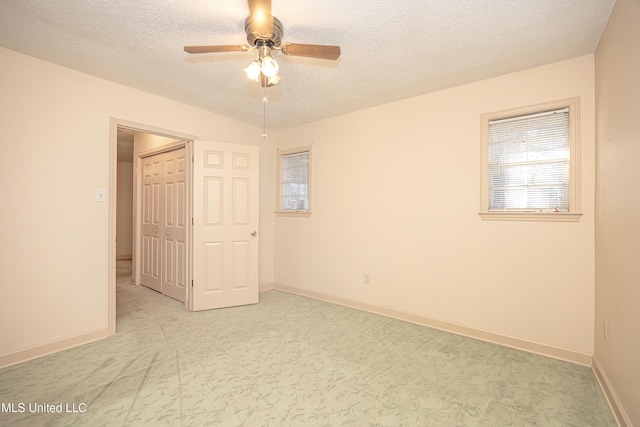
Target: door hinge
191, 220
193, 158
192, 283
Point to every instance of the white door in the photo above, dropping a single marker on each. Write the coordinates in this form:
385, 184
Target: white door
225, 230
151, 221
174, 224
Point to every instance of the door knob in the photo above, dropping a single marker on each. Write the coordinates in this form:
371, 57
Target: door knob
254, 233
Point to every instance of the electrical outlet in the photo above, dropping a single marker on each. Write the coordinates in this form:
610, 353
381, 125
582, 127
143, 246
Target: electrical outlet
606, 329
367, 278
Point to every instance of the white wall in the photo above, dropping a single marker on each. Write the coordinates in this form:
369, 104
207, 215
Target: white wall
396, 193
53, 245
617, 225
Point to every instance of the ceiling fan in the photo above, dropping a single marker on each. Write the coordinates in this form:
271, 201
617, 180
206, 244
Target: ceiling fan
264, 33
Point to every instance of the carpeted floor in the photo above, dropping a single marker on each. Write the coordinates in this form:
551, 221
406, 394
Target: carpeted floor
291, 361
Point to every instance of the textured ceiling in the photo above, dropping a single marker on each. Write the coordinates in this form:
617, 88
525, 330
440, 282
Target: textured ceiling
390, 50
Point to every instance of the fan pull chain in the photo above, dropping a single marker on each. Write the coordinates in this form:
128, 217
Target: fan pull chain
264, 116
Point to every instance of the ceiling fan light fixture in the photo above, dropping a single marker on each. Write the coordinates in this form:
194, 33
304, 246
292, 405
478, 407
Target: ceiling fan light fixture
275, 79
269, 66
253, 71
264, 33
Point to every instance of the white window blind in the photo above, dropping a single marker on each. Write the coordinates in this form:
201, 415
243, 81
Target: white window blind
529, 160
294, 181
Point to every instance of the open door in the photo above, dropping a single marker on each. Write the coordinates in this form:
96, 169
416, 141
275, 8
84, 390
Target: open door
225, 225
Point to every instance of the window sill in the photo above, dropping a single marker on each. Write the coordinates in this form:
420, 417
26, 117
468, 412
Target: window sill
301, 214
531, 216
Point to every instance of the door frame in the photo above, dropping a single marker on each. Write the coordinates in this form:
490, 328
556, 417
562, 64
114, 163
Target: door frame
114, 124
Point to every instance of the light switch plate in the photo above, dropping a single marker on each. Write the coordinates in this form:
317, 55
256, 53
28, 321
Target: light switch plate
101, 195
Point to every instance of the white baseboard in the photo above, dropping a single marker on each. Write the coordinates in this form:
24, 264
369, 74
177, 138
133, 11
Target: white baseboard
572, 356
610, 394
52, 347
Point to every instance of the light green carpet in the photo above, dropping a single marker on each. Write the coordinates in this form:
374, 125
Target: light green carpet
293, 361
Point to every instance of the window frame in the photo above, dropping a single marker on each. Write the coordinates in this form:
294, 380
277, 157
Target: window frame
280, 211
574, 213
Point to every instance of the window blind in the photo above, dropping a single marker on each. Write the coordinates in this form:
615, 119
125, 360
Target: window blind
529, 162
294, 181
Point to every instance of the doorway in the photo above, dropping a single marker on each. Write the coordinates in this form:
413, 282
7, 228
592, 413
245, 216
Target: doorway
127, 140
221, 237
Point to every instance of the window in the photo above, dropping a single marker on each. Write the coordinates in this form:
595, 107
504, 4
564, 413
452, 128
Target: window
294, 184
530, 163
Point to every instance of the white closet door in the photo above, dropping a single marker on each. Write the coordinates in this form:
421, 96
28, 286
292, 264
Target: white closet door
151, 222
225, 231
174, 225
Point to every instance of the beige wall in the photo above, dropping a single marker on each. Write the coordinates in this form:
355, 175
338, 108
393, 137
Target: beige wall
396, 194
618, 207
124, 224
54, 235
145, 141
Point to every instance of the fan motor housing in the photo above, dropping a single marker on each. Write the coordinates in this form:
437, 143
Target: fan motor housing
255, 38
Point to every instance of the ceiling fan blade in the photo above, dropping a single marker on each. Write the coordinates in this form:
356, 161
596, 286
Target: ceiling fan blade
261, 17
216, 49
311, 50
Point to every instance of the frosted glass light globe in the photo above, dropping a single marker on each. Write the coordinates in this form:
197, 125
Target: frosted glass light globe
269, 66
253, 71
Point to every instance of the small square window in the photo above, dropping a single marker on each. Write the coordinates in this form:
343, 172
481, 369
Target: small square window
294, 181
530, 163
